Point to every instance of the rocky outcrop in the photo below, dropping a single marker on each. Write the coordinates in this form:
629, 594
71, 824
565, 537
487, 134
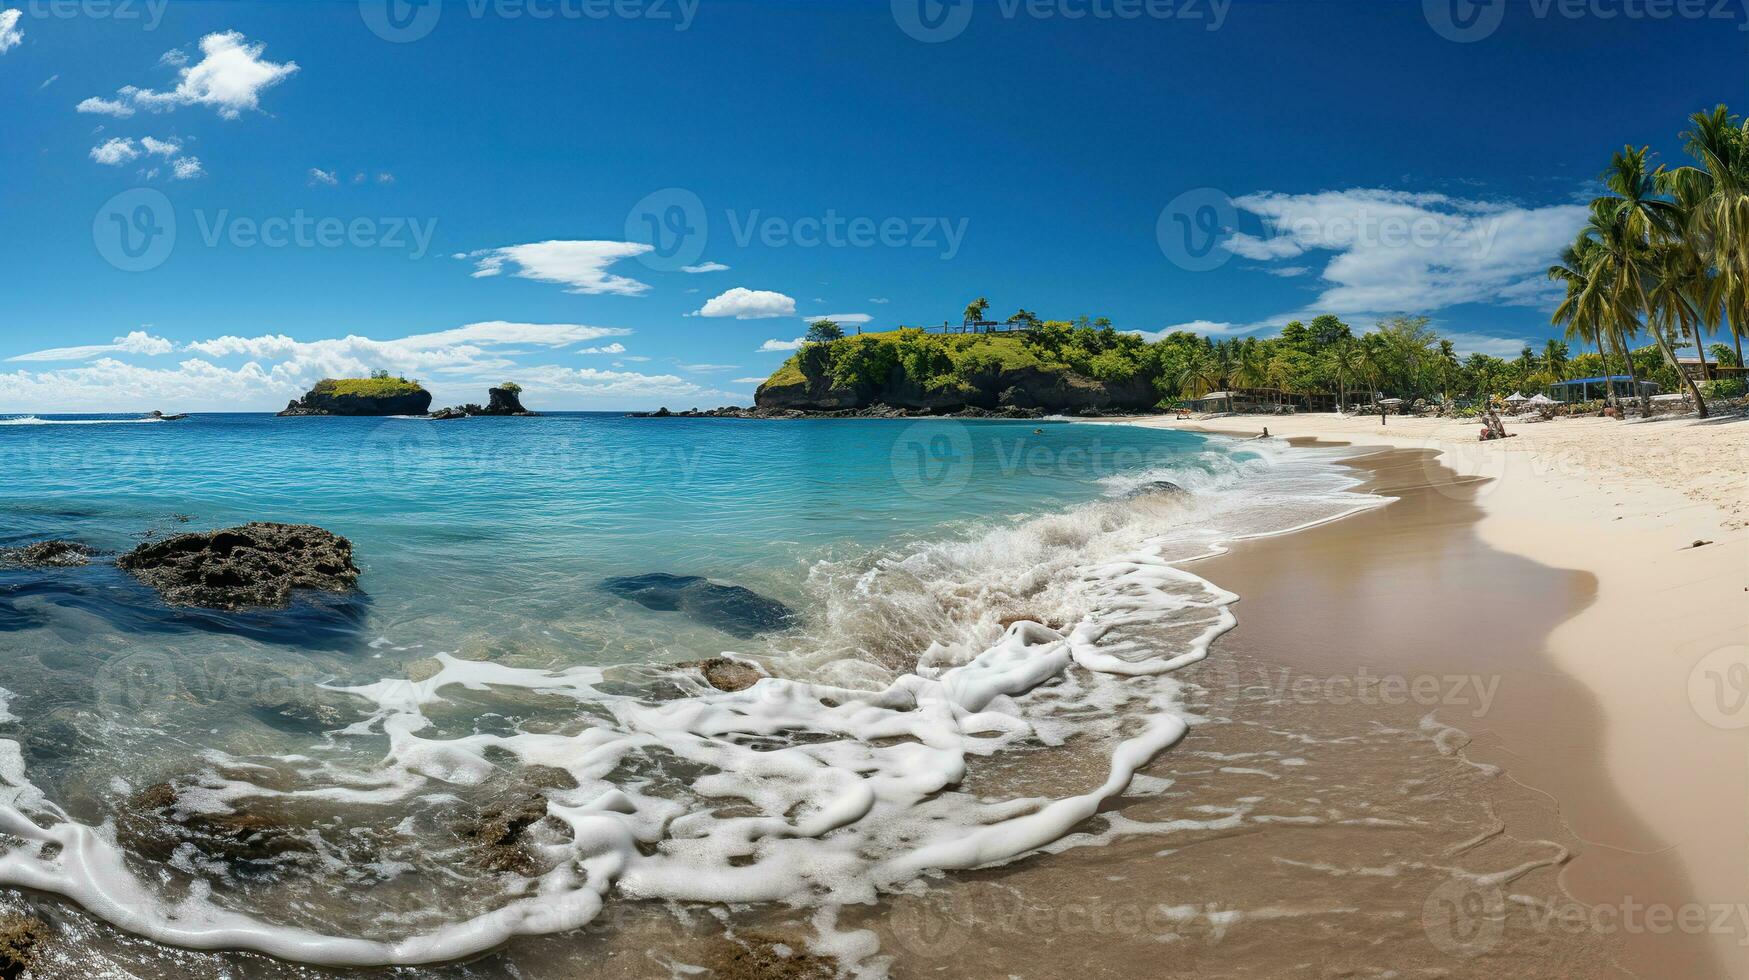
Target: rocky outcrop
726, 674
362, 396
504, 401
733, 609
256, 564
47, 554
1036, 389
21, 941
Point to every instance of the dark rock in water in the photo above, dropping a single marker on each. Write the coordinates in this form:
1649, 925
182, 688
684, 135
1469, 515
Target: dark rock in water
497, 835
302, 713
734, 610
505, 401
755, 955
446, 414
154, 824
1157, 486
160, 416
255, 564
21, 941
725, 674
47, 554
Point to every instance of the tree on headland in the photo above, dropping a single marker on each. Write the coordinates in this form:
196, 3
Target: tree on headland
823, 332
976, 308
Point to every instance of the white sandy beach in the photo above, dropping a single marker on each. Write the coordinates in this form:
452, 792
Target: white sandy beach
1626, 502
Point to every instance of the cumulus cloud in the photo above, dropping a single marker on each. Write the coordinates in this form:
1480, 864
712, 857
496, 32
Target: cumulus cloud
591, 383
1204, 328
320, 176
705, 267
747, 304
1476, 343
115, 152
108, 385
229, 78
579, 265
748, 381
776, 345
608, 349
136, 342
11, 35
160, 147
1397, 250
186, 168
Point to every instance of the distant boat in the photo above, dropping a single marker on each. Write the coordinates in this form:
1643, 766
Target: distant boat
160, 416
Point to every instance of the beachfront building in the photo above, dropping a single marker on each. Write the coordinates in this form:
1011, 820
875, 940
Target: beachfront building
1596, 389
1265, 400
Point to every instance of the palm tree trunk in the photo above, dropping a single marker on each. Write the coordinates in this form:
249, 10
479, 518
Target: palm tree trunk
1633, 372
1681, 375
1699, 348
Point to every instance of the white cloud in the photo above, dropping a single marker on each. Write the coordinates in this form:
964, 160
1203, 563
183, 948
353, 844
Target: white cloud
52, 79
11, 35
1476, 343
592, 383
136, 342
161, 147
175, 58
385, 178
109, 385
775, 345
842, 319
880, 299
1288, 271
115, 152
106, 107
230, 77
1202, 328
608, 349
748, 304
1398, 250
706, 368
580, 265
748, 381
705, 267
186, 168
320, 176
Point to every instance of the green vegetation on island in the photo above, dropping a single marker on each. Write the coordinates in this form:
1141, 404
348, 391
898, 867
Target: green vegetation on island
1662, 264
379, 394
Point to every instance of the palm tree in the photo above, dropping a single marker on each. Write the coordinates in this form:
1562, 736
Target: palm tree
1448, 368
1554, 357
1629, 225
1342, 360
1715, 199
975, 309
1583, 311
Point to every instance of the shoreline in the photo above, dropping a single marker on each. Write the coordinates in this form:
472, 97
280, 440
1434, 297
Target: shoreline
1588, 495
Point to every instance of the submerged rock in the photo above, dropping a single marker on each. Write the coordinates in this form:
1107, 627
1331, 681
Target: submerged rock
766, 956
497, 836
447, 414
1157, 486
21, 941
154, 823
733, 609
256, 564
47, 554
726, 674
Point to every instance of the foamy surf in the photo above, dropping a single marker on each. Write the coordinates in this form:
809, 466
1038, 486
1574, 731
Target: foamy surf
930, 667
34, 420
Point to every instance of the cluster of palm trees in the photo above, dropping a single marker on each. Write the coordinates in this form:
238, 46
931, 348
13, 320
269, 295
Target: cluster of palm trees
1665, 252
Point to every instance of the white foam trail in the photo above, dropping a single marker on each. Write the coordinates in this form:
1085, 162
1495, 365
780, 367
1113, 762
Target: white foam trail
838, 790
33, 420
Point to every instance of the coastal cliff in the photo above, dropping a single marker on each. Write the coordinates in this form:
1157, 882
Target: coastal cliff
917, 372
362, 396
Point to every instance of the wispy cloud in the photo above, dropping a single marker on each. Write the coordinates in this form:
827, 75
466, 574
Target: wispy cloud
705, 267
136, 342
229, 78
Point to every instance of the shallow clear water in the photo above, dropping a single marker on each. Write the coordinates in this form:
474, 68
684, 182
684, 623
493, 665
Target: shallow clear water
906, 550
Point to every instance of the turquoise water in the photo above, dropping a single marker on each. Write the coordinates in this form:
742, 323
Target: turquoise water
481, 651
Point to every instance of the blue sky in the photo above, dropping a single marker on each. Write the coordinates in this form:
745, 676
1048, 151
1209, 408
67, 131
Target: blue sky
475, 199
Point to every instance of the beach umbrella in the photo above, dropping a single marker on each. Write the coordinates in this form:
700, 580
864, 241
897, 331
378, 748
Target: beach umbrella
1515, 397
1539, 399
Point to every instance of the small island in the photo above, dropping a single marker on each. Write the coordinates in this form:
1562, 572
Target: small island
378, 394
